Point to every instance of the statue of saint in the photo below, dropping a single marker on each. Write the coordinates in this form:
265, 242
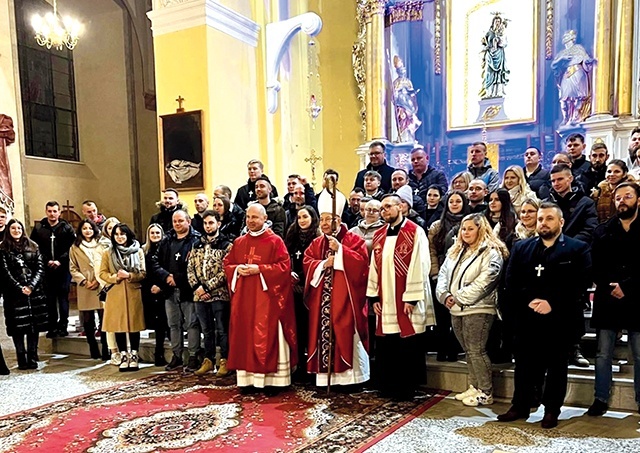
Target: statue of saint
406, 104
572, 66
495, 74
7, 137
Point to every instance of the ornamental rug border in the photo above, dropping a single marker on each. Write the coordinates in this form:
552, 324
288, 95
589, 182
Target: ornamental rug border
171, 412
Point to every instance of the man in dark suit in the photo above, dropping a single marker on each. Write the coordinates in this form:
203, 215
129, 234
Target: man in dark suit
546, 278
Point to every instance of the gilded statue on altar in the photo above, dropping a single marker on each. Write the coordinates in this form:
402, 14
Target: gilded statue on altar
572, 66
406, 104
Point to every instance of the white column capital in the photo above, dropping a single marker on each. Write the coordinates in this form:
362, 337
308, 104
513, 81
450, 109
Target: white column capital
169, 16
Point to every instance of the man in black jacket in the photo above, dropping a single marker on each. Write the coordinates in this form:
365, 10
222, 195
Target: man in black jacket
247, 193
616, 247
598, 157
422, 175
536, 176
275, 212
309, 196
169, 266
170, 204
377, 162
580, 166
55, 237
545, 280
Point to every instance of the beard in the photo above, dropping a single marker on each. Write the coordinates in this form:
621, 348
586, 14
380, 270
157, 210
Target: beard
628, 213
548, 234
392, 220
212, 234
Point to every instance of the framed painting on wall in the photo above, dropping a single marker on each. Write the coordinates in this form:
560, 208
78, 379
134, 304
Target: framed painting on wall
182, 151
492, 59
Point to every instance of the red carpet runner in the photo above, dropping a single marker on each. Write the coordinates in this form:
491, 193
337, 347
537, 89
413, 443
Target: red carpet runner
189, 414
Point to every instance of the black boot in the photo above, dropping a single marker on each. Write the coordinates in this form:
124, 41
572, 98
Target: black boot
105, 348
90, 331
4, 370
22, 360
160, 360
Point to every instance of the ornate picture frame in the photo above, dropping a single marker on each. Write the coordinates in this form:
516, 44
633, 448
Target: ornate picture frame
491, 62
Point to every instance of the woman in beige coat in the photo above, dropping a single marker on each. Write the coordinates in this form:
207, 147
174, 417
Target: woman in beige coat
123, 269
84, 263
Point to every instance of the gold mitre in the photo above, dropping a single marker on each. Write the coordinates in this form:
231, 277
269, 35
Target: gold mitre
569, 36
397, 62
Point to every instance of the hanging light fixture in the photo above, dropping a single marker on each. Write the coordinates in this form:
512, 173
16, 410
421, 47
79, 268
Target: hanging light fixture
51, 31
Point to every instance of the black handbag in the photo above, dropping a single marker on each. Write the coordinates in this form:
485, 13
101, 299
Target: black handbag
102, 295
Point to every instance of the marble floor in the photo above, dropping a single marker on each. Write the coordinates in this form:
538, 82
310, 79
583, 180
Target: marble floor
447, 427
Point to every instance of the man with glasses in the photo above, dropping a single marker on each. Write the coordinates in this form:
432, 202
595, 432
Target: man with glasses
615, 271
377, 162
399, 290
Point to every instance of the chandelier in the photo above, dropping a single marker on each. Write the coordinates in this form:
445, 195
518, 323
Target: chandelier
53, 32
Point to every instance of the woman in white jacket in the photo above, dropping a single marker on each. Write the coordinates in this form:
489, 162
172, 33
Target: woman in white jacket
468, 287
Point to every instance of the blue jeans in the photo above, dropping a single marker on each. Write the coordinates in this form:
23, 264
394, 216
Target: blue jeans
214, 320
181, 316
604, 360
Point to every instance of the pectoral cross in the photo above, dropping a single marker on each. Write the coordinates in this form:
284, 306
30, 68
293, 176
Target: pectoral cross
250, 193
298, 254
180, 100
251, 257
177, 256
416, 191
53, 249
539, 269
20, 260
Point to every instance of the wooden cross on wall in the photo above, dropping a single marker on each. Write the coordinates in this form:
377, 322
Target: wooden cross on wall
180, 100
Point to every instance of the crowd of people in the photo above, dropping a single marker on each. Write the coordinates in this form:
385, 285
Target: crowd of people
345, 290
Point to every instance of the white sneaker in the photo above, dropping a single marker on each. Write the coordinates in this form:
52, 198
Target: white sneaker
479, 399
124, 363
116, 358
471, 391
133, 361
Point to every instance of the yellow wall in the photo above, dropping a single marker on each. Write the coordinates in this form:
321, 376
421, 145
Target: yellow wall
340, 117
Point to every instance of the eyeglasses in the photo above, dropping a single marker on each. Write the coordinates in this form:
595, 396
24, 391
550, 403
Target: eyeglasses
371, 210
388, 206
627, 196
375, 153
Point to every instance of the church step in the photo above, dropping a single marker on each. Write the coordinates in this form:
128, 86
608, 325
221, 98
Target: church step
77, 344
453, 376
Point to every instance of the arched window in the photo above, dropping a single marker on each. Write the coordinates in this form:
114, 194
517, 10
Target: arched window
48, 90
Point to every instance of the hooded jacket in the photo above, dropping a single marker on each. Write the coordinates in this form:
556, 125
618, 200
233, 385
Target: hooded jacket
486, 173
579, 212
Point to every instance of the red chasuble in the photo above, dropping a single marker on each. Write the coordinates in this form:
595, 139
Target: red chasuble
348, 301
253, 327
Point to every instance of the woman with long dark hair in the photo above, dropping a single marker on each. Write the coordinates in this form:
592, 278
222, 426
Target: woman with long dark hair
299, 235
123, 268
84, 264
442, 234
25, 304
155, 315
231, 224
502, 216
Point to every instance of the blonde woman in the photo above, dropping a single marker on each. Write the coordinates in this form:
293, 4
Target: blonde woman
105, 244
468, 284
460, 181
526, 227
514, 181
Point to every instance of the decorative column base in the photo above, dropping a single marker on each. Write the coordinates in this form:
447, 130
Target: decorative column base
613, 132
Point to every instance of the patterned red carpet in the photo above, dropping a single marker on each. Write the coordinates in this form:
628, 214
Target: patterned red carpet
189, 414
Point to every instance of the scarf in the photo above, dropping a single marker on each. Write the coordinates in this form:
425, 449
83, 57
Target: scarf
126, 258
90, 249
449, 222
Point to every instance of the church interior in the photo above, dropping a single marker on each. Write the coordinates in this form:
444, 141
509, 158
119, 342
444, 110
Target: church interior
140, 96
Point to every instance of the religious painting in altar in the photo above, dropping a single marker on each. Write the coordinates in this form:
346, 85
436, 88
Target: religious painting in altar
491, 61
182, 151
547, 47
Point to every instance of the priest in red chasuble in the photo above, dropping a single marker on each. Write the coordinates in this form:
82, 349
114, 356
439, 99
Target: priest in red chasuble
338, 298
262, 329
400, 292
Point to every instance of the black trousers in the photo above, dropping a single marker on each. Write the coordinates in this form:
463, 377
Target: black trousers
538, 360
56, 285
134, 339
445, 340
400, 364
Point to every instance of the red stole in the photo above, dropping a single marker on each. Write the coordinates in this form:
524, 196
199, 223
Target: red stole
401, 261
